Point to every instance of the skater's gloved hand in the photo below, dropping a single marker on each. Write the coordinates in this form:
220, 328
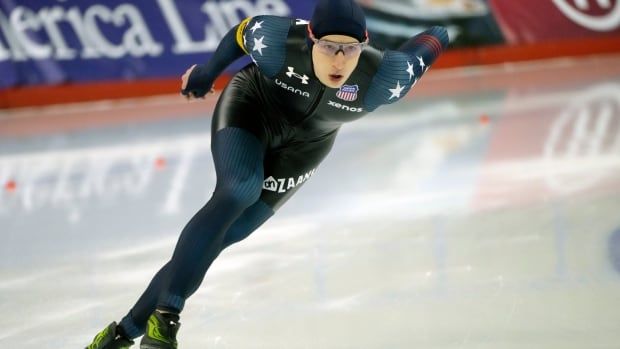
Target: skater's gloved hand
196, 83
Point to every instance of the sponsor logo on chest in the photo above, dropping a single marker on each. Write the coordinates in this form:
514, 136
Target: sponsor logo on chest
344, 107
292, 89
291, 73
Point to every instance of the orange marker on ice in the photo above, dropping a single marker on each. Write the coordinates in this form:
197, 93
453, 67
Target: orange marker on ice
10, 186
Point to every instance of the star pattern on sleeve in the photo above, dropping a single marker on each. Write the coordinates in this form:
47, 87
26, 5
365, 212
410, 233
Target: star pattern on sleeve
421, 61
258, 45
257, 25
397, 91
410, 70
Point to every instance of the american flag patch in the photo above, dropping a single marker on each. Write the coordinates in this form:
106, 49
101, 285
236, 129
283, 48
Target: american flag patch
348, 92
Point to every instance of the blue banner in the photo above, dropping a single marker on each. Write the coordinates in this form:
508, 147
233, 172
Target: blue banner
53, 42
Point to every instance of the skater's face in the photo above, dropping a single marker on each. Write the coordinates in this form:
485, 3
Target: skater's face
335, 58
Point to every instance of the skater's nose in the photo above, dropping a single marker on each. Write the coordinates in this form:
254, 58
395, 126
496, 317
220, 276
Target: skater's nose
339, 60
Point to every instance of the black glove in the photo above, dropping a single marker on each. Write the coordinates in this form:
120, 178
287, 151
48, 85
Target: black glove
198, 83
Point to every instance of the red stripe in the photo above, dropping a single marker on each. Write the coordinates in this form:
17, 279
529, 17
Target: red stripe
436, 43
431, 42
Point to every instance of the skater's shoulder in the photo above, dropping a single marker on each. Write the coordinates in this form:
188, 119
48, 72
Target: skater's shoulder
264, 38
273, 28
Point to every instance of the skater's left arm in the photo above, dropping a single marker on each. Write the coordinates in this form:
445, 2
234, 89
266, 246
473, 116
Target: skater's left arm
427, 45
401, 69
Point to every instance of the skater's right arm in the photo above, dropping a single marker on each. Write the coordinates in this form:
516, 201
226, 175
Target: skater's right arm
263, 37
199, 78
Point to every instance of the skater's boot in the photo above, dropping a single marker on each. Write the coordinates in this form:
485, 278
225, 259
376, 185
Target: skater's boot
110, 338
161, 331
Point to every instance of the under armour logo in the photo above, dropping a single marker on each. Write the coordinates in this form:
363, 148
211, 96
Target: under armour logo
291, 72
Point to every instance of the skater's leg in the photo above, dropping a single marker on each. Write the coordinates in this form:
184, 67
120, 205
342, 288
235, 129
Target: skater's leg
248, 222
278, 166
238, 157
134, 323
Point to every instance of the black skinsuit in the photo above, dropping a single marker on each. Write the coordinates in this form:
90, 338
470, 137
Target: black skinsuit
273, 125
280, 100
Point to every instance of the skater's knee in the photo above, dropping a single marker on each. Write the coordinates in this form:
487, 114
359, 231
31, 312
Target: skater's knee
240, 194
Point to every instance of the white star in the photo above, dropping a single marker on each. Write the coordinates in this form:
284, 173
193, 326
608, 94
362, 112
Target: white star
410, 70
259, 46
256, 26
422, 65
397, 90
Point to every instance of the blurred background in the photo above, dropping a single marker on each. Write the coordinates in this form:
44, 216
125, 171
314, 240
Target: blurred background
481, 211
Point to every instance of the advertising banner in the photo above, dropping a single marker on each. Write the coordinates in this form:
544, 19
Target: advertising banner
531, 21
51, 42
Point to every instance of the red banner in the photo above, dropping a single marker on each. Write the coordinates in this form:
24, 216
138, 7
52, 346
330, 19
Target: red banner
530, 21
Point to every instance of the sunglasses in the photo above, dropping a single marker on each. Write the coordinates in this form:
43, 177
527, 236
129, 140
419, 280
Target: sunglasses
332, 48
